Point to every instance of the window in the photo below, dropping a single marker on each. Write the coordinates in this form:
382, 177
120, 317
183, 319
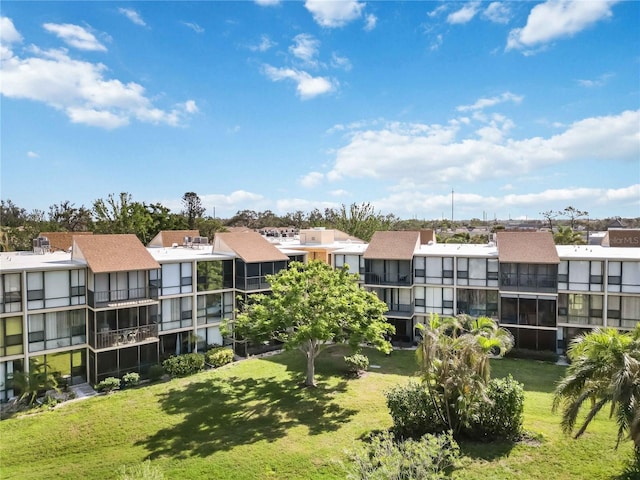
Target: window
10, 293
11, 336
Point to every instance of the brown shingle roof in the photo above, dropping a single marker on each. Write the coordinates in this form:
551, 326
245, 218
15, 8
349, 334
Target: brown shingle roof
61, 240
112, 253
249, 246
391, 245
526, 247
166, 238
622, 238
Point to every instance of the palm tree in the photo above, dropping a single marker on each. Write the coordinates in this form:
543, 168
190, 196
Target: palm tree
454, 360
34, 381
566, 236
605, 369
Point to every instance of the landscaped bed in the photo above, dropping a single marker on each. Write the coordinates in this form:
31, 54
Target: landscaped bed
252, 419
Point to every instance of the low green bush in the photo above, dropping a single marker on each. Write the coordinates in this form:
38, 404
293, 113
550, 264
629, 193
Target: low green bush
130, 379
502, 417
357, 364
109, 384
183, 365
218, 356
412, 411
432, 457
155, 372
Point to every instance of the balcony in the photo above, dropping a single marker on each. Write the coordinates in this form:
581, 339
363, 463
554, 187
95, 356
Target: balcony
126, 336
252, 283
118, 298
403, 279
529, 283
401, 310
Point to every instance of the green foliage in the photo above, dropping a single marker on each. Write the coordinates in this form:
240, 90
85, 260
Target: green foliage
311, 306
183, 365
155, 372
218, 356
109, 384
357, 363
144, 471
604, 369
130, 379
412, 410
33, 382
502, 416
454, 361
384, 458
566, 236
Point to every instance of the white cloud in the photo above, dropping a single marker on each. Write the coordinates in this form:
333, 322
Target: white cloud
437, 43
306, 86
133, 16
598, 82
338, 193
31, 154
434, 153
267, 3
312, 179
340, 62
80, 90
437, 11
497, 12
286, 205
370, 22
264, 45
557, 19
305, 47
334, 14
483, 103
8, 33
75, 36
194, 26
465, 14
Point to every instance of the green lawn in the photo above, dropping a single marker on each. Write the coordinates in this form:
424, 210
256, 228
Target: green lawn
252, 420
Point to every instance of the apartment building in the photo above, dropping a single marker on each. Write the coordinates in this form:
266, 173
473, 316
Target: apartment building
542, 293
103, 305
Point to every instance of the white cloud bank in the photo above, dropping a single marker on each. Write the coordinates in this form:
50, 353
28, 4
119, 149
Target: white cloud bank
556, 19
79, 88
75, 36
132, 15
435, 153
307, 86
336, 13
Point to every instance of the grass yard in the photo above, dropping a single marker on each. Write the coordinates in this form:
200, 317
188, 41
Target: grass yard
251, 420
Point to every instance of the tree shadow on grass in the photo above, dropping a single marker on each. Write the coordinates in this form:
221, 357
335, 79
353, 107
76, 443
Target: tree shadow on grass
219, 414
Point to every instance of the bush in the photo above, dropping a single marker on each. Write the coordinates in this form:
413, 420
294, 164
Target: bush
183, 365
109, 384
502, 418
130, 379
357, 364
412, 410
218, 356
155, 372
430, 458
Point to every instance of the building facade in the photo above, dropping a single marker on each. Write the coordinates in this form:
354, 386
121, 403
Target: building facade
106, 305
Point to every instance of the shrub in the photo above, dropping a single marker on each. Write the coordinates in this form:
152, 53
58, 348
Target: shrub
430, 458
109, 384
357, 364
155, 372
412, 410
503, 416
218, 356
183, 365
130, 379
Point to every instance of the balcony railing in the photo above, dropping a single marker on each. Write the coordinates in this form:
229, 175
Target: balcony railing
252, 283
529, 283
387, 278
126, 336
400, 310
116, 297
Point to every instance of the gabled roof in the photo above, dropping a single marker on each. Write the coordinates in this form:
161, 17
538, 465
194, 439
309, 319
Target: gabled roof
61, 240
526, 247
251, 247
166, 238
112, 253
392, 245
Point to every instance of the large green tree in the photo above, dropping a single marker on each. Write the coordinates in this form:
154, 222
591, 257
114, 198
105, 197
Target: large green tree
454, 362
604, 370
566, 236
312, 306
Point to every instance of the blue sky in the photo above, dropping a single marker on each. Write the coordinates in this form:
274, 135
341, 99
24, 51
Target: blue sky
518, 107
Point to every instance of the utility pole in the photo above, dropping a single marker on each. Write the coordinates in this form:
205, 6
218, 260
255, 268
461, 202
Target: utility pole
452, 205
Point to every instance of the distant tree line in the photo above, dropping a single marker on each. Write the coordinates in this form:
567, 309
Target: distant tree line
120, 213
